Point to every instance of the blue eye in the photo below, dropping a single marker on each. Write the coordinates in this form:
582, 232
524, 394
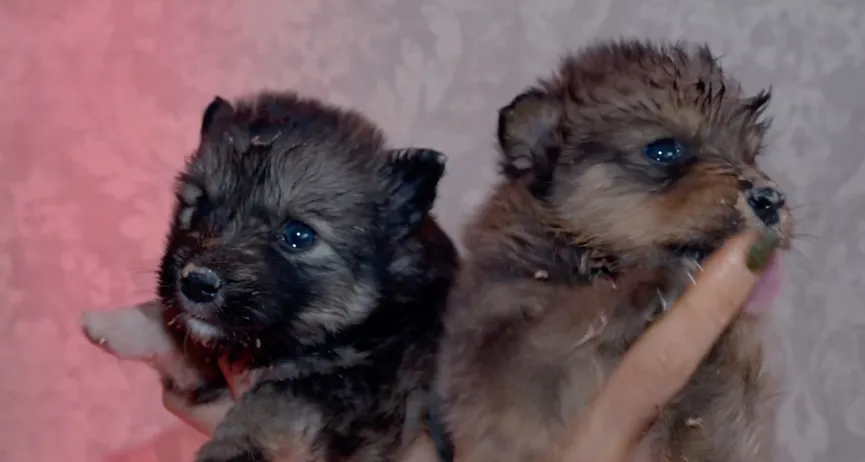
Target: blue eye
297, 235
665, 151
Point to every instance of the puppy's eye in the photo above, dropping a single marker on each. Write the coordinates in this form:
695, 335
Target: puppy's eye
665, 151
297, 235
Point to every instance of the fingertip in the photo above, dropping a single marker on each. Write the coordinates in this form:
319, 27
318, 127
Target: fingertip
175, 404
202, 417
733, 255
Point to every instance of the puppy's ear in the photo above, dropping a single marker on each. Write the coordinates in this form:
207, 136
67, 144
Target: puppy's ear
754, 106
529, 137
704, 52
216, 117
413, 175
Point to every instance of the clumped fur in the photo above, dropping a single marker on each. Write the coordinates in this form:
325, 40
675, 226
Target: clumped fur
584, 241
343, 327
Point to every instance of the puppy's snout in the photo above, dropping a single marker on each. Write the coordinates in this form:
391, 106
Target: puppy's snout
766, 203
199, 284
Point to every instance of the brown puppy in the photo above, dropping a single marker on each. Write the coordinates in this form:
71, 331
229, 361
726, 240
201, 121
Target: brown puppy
303, 246
622, 171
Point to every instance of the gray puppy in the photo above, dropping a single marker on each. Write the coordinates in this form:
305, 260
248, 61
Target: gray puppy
621, 172
303, 246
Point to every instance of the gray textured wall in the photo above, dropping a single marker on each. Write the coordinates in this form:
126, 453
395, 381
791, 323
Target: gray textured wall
101, 100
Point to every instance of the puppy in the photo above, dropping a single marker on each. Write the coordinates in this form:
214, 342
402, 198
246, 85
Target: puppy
303, 247
621, 172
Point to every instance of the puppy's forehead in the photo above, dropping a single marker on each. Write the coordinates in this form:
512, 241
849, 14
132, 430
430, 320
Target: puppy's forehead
680, 87
321, 171
323, 177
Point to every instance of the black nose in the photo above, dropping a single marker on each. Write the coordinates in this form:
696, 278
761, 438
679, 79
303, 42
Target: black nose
766, 203
199, 284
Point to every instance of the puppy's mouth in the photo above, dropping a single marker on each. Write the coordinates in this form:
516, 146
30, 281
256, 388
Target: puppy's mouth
699, 251
198, 320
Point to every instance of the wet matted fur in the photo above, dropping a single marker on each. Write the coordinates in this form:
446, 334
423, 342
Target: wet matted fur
303, 247
621, 172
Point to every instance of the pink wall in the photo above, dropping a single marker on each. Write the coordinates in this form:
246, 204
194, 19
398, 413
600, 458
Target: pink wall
100, 103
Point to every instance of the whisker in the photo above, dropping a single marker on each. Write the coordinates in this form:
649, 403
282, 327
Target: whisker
691, 277
185, 346
809, 236
796, 208
803, 210
801, 206
173, 320
804, 267
662, 299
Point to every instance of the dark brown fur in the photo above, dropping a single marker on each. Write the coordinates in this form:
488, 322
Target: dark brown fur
343, 329
584, 242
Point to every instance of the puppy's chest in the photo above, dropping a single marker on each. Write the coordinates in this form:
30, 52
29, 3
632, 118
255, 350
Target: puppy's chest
577, 344
634, 304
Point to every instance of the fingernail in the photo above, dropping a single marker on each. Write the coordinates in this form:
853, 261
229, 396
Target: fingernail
761, 251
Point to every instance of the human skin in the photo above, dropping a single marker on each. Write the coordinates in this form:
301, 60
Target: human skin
204, 418
661, 361
667, 354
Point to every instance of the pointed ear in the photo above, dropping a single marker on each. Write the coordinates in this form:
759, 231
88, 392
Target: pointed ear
528, 135
704, 52
756, 105
752, 110
216, 116
413, 175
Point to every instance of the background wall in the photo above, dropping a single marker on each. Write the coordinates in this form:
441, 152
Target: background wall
100, 102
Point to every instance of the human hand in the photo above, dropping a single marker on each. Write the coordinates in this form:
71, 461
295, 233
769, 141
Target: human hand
138, 333
664, 358
205, 417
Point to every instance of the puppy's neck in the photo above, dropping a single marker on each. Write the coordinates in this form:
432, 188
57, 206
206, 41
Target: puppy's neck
518, 234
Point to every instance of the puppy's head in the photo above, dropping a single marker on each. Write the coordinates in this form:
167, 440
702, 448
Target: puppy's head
287, 217
644, 151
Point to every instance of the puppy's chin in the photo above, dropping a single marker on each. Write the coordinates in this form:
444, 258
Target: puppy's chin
197, 320
203, 331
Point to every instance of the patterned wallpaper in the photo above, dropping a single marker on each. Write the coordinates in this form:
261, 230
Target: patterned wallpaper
101, 100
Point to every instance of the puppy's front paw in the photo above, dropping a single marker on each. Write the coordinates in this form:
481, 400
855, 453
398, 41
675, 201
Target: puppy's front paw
135, 332
230, 450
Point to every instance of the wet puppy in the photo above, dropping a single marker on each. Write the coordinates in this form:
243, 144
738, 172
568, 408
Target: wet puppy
621, 172
303, 247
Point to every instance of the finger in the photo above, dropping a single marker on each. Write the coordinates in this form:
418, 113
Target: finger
663, 359
202, 417
656, 366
